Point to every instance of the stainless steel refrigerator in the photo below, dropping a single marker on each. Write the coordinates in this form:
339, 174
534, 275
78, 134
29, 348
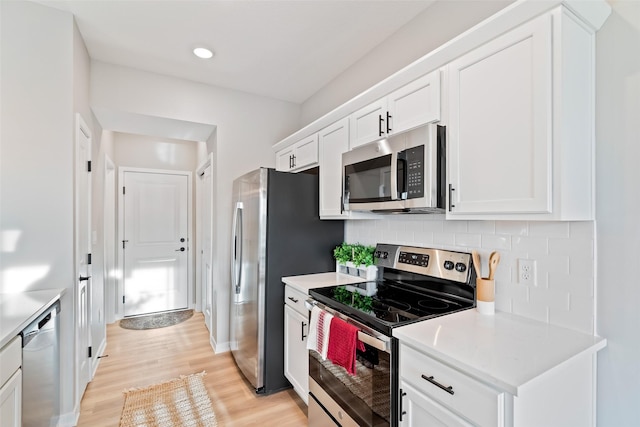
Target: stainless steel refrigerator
277, 232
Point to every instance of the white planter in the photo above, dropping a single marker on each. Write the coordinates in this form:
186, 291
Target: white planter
367, 273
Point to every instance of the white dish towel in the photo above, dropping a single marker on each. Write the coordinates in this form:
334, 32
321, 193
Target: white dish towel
318, 339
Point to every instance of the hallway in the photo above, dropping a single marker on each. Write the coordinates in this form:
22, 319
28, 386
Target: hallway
140, 358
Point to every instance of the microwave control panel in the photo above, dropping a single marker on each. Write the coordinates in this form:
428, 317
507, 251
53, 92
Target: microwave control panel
415, 172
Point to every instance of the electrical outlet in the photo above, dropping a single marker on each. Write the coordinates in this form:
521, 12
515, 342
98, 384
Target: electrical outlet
527, 271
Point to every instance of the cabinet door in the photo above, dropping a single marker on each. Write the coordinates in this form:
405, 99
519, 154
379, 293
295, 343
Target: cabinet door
415, 104
333, 140
296, 359
305, 152
500, 124
418, 410
284, 159
368, 124
11, 401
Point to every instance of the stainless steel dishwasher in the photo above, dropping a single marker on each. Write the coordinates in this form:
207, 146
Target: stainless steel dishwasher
40, 370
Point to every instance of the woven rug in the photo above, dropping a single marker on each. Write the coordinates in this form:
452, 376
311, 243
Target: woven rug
181, 402
158, 320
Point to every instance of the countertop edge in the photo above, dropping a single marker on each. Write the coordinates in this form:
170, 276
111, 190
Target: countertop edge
56, 294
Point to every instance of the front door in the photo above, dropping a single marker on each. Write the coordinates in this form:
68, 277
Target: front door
155, 241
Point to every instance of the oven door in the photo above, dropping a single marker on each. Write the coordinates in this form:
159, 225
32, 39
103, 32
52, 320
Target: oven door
374, 176
366, 399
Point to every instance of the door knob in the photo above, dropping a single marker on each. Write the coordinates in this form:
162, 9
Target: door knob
180, 250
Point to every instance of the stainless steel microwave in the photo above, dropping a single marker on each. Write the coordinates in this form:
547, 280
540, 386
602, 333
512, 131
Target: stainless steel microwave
402, 173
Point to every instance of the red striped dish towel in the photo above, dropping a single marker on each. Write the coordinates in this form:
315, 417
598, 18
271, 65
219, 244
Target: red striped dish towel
318, 339
343, 343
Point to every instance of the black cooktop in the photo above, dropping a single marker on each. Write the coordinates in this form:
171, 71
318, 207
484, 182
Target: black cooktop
385, 305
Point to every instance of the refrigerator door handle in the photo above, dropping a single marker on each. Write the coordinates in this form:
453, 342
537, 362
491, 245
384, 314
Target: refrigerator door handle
236, 263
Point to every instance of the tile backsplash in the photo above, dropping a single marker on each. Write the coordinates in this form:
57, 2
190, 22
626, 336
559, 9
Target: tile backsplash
564, 254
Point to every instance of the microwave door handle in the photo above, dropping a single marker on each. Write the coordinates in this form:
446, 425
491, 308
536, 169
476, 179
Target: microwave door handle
394, 175
403, 186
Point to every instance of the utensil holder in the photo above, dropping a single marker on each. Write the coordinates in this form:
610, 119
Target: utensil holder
485, 296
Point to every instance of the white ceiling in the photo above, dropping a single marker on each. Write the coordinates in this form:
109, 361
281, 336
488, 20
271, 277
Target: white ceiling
286, 50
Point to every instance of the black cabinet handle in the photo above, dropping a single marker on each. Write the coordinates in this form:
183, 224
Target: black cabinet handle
302, 330
437, 384
291, 161
84, 278
451, 190
388, 122
402, 394
380, 120
294, 161
293, 299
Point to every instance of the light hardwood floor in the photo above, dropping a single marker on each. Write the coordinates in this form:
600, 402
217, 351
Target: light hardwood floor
141, 358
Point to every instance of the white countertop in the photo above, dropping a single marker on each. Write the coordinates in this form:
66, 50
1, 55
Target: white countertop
20, 309
320, 280
504, 350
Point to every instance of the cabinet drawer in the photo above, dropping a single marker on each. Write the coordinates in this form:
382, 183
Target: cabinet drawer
295, 299
10, 359
469, 398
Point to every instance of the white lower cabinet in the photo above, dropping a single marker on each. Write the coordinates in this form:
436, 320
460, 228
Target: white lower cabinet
450, 392
418, 410
296, 329
11, 384
435, 394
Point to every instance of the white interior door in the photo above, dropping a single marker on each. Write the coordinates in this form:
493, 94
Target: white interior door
82, 251
155, 242
206, 239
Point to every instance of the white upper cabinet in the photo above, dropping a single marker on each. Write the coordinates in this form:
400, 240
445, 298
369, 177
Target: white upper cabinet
520, 123
413, 105
301, 155
333, 141
368, 124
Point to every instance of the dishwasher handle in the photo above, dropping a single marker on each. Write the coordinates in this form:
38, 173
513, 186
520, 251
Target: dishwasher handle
30, 332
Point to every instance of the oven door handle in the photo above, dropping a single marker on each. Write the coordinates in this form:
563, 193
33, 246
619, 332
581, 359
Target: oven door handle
372, 341
362, 335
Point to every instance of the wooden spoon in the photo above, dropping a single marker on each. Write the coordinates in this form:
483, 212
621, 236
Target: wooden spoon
494, 259
475, 256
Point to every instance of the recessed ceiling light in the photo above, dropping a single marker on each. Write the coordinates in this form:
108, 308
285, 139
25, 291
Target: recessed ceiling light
202, 52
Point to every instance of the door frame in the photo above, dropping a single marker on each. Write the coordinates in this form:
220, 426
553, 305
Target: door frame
110, 244
200, 303
190, 288
80, 351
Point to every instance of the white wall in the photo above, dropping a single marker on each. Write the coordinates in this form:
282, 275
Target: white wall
247, 127
617, 214
141, 151
436, 25
36, 167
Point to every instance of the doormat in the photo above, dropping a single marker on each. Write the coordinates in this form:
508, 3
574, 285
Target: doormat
158, 320
179, 402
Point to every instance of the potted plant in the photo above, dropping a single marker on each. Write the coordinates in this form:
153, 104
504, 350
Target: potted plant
355, 259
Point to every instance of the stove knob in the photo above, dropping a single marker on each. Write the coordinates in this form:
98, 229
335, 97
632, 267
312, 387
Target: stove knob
385, 255
448, 265
378, 254
460, 267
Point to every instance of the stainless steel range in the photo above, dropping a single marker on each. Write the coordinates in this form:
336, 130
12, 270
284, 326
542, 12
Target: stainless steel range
414, 284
